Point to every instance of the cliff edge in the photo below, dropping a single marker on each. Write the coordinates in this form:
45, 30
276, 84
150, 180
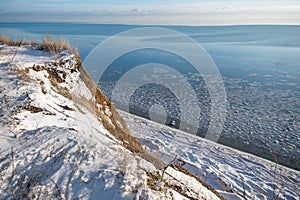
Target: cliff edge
62, 138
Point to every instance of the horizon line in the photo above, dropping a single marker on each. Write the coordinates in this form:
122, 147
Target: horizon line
141, 24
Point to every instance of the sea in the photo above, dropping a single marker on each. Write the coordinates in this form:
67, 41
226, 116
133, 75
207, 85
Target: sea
259, 66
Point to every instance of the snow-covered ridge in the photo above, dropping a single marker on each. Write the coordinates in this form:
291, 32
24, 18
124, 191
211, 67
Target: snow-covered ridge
62, 138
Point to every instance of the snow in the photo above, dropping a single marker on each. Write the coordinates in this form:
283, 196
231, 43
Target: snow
52, 146
190, 184
234, 174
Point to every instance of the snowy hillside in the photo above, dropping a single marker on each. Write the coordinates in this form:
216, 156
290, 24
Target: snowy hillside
62, 139
234, 174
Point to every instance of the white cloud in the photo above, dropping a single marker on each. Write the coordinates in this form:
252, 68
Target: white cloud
204, 12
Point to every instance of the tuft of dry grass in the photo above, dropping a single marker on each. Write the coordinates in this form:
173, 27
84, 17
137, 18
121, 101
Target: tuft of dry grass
7, 41
54, 46
11, 42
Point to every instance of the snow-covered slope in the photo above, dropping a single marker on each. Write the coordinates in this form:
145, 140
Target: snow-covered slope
62, 139
234, 174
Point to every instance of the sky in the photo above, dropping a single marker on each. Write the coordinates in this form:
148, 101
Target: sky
170, 12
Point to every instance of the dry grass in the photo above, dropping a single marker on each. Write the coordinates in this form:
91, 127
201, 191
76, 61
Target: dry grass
187, 172
54, 46
153, 180
55, 77
65, 107
122, 132
32, 109
11, 42
8, 41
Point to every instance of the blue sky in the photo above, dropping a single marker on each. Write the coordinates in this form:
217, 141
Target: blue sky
189, 12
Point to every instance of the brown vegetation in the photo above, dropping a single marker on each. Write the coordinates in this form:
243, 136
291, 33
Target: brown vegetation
32, 108
54, 46
120, 131
11, 42
65, 107
187, 172
115, 124
8, 41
